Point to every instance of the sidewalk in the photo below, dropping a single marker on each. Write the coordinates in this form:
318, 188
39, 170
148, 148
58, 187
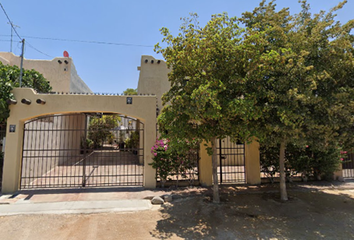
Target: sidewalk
128, 199
77, 201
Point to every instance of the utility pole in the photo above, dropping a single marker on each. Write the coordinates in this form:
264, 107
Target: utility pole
12, 26
21, 67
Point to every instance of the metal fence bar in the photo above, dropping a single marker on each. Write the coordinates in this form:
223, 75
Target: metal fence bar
348, 166
54, 155
231, 158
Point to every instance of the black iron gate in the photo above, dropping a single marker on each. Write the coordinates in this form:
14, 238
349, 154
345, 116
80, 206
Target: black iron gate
231, 162
348, 167
82, 150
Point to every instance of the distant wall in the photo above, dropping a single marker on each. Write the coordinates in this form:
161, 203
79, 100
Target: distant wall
76, 83
153, 78
61, 75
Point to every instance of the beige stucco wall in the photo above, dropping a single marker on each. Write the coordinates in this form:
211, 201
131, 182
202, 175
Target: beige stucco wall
62, 76
252, 163
205, 166
143, 108
153, 78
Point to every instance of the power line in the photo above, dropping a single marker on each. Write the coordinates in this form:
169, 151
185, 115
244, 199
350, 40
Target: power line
90, 41
18, 35
87, 41
38, 50
12, 26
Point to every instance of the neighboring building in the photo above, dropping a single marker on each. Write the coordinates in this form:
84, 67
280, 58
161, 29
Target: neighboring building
60, 72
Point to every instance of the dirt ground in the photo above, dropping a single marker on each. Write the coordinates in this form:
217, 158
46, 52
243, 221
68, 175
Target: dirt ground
314, 211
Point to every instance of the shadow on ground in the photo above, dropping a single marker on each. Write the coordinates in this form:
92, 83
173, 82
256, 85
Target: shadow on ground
311, 213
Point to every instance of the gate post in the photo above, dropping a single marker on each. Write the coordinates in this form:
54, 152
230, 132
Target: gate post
252, 163
205, 166
149, 141
13, 155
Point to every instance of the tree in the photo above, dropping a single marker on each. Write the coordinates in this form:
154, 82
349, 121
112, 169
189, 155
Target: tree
288, 78
100, 128
130, 91
206, 99
9, 79
301, 77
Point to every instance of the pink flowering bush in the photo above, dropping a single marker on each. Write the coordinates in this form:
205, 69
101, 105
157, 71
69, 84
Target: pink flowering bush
172, 159
162, 160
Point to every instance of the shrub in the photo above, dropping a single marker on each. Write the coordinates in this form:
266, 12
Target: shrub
174, 158
99, 129
320, 163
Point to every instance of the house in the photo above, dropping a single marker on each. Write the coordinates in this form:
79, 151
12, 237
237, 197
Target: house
60, 72
43, 140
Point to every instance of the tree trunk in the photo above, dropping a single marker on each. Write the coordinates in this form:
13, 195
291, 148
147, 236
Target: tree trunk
216, 197
283, 193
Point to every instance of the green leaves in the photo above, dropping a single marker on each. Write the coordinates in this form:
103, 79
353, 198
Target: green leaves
100, 129
206, 77
279, 77
9, 78
130, 91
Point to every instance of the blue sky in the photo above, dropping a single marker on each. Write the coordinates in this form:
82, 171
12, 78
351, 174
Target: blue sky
113, 68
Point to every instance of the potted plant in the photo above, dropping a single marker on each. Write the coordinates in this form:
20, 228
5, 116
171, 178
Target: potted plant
86, 143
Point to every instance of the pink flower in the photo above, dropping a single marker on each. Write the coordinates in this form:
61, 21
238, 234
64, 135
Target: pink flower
155, 154
307, 146
342, 159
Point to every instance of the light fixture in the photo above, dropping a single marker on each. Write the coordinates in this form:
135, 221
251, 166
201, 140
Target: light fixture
40, 101
146, 61
11, 101
152, 61
66, 61
158, 61
26, 101
59, 61
129, 100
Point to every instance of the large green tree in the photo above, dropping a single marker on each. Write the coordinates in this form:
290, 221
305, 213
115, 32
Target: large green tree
288, 78
207, 95
9, 79
301, 77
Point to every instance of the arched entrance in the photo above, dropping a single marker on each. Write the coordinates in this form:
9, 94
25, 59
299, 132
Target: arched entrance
50, 141
82, 150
